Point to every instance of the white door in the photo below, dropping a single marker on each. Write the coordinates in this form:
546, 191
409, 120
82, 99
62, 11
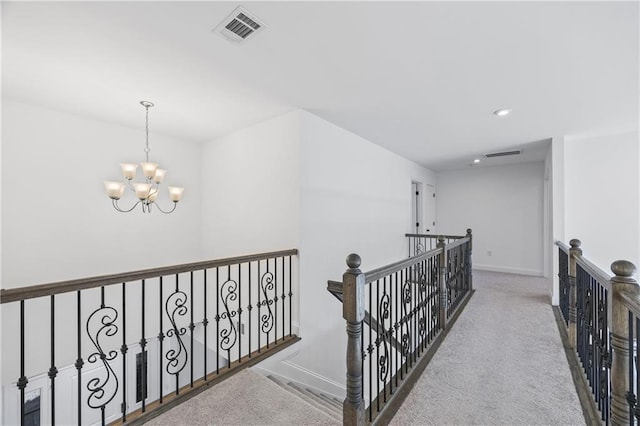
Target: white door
430, 207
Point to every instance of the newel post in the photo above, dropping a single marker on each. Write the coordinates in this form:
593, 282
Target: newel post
353, 312
442, 282
469, 262
622, 281
574, 252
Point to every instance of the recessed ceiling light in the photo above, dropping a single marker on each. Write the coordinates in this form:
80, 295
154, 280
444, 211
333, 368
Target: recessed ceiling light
502, 112
476, 161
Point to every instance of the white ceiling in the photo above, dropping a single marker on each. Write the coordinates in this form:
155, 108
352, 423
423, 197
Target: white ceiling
419, 78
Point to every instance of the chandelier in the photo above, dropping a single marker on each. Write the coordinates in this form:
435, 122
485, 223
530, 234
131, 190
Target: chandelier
147, 191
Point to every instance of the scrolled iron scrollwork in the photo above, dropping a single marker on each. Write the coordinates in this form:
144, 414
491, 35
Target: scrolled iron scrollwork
384, 359
267, 284
407, 313
176, 305
229, 334
100, 324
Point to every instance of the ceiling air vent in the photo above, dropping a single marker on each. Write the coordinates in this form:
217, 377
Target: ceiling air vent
503, 154
239, 25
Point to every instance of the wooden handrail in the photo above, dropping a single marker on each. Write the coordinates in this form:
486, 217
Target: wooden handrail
565, 248
383, 271
24, 293
451, 237
457, 243
603, 278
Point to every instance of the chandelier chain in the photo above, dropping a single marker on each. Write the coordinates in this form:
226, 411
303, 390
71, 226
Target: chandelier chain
147, 149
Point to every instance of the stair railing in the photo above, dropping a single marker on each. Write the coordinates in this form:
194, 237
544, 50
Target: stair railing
602, 318
396, 318
123, 348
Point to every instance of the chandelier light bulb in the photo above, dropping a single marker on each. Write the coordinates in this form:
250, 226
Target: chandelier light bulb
149, 169
129, 170
115, 190
175, 193
148, 190
142, 190
159, 176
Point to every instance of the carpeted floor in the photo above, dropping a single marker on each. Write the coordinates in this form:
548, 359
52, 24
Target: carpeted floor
269, 405
502, 363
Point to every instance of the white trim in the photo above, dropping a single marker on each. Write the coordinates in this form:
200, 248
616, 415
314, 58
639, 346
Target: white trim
508, 270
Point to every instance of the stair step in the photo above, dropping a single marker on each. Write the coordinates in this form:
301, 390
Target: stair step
306, 396
330, 400
317, 399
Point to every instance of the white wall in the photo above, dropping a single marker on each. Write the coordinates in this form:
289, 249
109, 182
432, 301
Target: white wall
554, 169
602, 197
250, 192
504, 207
355, 197
58, 224
57, 221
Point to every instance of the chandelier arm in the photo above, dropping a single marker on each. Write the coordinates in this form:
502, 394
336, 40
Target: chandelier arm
115, 205
175, 203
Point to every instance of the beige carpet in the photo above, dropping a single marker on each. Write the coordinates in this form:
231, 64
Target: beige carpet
502, 363
244, 399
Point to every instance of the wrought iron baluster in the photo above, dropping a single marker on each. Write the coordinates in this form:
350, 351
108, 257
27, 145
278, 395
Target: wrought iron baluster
267, 319
283, 297
192, 326
22, 380
630, 395
377, 342
229, 334
143, 345
205, 323
370, 355
398, 332
161, 339
258, 306
290, 296
239, 313
384, 362
249, 307
53, 371
636, 410
124, 349
102, 323
275, 299
79, 362
177, 359
217, 318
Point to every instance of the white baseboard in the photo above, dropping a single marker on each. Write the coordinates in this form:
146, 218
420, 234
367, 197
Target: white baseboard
508, 270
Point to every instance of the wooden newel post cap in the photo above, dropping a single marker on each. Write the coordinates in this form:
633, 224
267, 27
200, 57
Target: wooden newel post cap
468, 231
623, 268
354, 261
441, 239
575, 243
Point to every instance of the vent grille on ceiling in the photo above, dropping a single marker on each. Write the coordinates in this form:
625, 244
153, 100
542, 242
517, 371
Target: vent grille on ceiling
239, 25
502, 154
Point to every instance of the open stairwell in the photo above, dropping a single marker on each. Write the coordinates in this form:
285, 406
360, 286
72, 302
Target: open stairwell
329, 405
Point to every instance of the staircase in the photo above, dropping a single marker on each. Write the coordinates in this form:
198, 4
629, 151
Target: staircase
329, 405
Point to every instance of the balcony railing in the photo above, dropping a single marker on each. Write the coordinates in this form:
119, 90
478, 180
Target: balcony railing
126, 347
602, 314
396, 317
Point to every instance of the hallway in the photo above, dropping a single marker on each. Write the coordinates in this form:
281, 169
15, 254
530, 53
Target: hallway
502, 364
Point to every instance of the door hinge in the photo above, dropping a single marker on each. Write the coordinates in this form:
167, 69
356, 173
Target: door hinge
434, 195
417, 224
417, 193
